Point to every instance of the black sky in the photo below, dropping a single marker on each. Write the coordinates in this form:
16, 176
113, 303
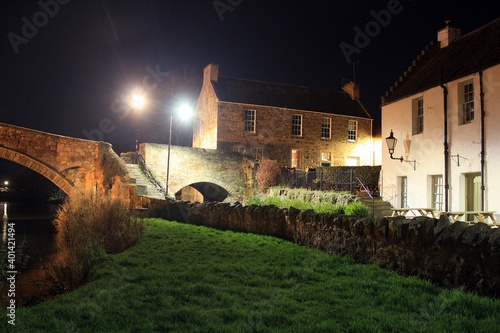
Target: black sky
66, 78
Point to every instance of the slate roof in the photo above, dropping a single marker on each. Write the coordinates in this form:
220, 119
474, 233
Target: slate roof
288, 96
468, 54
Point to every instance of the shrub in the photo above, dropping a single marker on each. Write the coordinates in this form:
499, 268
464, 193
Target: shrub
268, 174
88, 227
357, 209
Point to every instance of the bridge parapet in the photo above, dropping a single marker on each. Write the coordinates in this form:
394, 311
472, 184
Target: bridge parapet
210, 171
68, 162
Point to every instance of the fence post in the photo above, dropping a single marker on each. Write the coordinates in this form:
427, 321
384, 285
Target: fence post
351, 182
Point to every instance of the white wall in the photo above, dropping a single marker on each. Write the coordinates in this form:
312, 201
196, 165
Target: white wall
428, 150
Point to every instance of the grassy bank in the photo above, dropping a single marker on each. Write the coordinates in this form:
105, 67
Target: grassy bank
321, 202
183, 278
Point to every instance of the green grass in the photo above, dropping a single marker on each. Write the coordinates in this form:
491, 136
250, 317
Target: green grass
184, 278
353, 208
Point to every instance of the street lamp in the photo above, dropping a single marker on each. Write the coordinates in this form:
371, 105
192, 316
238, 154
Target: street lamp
391, 144
184, 110
138, 101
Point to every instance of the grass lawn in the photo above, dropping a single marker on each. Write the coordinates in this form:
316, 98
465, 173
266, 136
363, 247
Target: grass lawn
184, 278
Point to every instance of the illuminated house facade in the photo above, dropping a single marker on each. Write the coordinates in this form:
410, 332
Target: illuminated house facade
447, 108
297, 126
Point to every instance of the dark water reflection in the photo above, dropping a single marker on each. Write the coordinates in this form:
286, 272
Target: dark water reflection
33, 224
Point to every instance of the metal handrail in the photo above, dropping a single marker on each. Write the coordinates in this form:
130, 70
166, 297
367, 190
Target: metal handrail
150, 174
369, 194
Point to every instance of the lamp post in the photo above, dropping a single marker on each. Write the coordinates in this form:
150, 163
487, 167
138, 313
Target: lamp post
137, 103
185, 110
391, 144
168, 154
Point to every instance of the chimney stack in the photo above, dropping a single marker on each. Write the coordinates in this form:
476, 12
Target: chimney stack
352, 89
211, 72
447, 35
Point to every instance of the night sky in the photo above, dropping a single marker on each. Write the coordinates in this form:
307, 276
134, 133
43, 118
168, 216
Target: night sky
68, 73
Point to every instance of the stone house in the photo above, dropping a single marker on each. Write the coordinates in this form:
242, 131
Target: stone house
444, 111
297, 126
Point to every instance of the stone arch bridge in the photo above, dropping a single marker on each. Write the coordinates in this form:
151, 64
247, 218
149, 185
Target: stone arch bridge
73, 163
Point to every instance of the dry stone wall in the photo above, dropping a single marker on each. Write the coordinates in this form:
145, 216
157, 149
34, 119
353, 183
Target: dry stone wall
452, 255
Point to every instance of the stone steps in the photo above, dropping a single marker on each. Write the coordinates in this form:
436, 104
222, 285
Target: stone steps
381, 208
143, 186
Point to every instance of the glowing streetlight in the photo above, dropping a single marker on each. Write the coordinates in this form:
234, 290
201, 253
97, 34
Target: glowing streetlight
185, 111
138, 101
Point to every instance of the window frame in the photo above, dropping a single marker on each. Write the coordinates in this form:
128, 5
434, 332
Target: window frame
326, 128
250, 123
352, 134
257, 153
437, 192
297, 126
418, 116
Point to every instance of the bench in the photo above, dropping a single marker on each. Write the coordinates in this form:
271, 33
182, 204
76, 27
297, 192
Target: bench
421, 211
479, 214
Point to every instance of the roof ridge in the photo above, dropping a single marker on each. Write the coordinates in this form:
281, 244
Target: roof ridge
282, 84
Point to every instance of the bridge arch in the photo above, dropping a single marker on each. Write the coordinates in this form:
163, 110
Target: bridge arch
210, 191
211, 188
37, 166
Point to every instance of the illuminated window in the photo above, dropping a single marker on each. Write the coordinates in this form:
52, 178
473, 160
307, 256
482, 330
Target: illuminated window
250, 121
326, 158
326, 128
296, 158
296, 125
352, 130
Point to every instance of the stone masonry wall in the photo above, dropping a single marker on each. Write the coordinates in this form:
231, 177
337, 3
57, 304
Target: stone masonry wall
273, 134
231, 171
451, 255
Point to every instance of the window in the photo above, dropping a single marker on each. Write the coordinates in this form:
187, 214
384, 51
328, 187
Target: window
326, 128
352, 161
326, 158
466, 101
250, 121
468, 112
257, 153
437, 192
404, 191
239, 149
296, 159
352, 130
296, 125
418, 115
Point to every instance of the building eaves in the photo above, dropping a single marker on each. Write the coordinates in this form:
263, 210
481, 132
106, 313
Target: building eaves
471, 53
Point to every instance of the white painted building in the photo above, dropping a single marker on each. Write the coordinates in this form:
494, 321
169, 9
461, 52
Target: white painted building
447, 104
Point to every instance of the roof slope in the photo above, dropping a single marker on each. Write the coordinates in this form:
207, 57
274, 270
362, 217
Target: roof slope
288, 96
469, 54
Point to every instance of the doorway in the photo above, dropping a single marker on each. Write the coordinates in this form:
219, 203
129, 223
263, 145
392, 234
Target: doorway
473, 200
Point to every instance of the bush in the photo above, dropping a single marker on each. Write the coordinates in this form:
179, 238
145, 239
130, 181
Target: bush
357, 209
88, 227
268, 174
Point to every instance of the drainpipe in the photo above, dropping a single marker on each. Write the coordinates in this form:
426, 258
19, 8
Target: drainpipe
445, 143
483, 150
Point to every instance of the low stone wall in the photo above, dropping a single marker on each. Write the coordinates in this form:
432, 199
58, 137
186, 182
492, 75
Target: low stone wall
452, 255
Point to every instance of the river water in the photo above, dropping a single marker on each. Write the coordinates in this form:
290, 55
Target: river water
33, 224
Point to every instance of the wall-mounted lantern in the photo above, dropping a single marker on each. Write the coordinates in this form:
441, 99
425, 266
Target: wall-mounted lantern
391, 144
